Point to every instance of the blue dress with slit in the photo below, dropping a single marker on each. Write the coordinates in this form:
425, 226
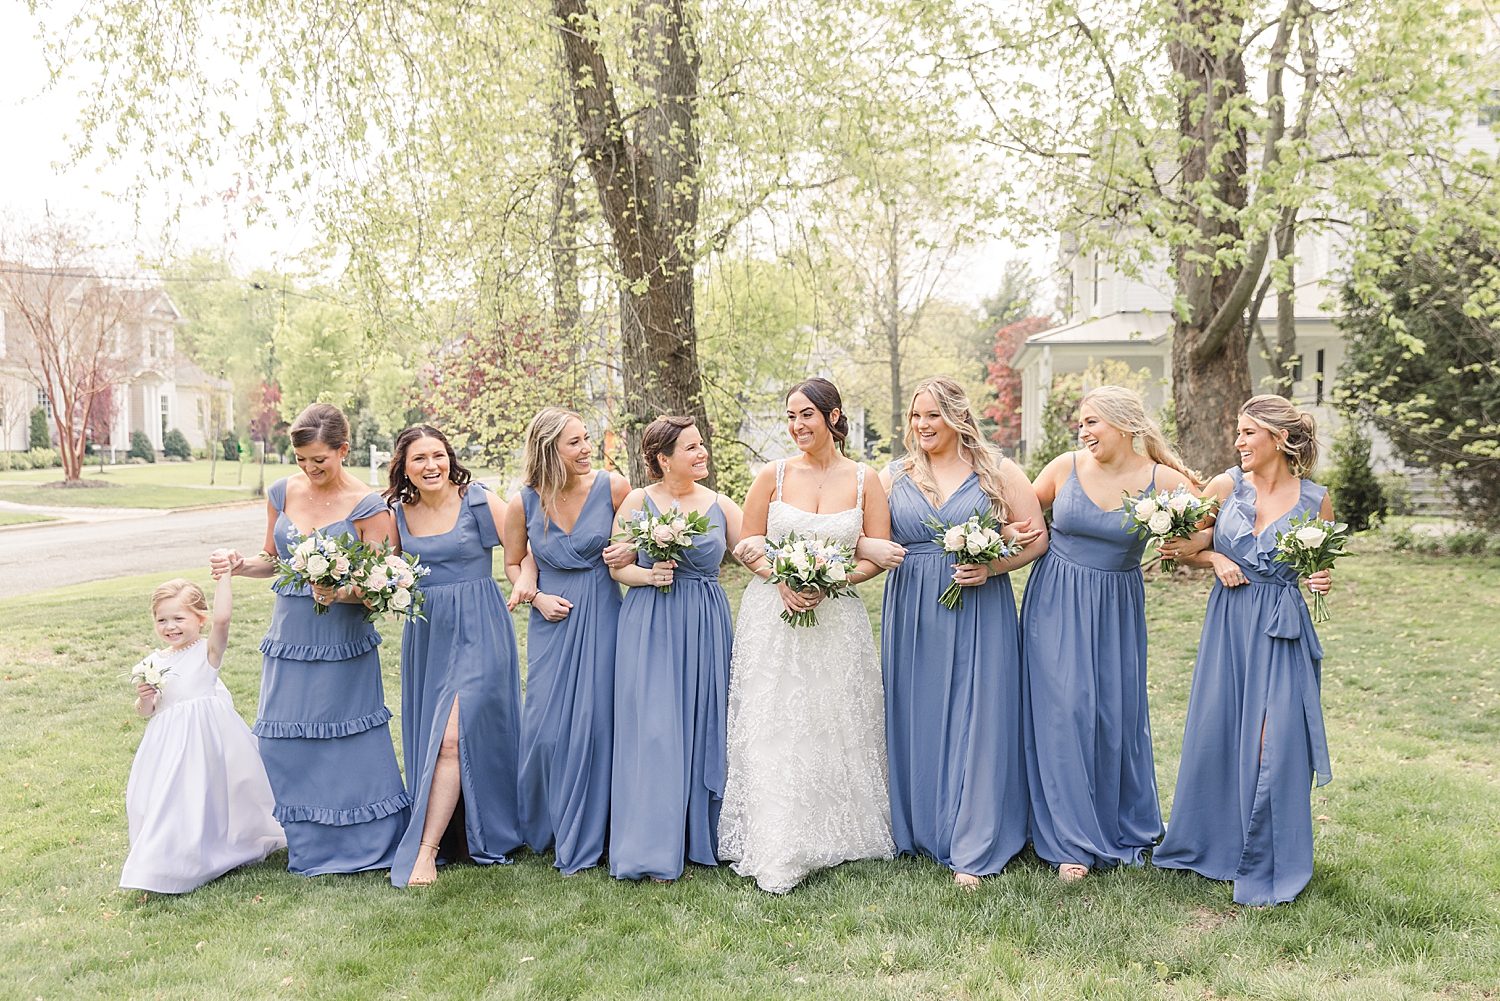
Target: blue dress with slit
671, 692
464, 650
1089, 763
323, 726
952, 697
1254, 740
567, 722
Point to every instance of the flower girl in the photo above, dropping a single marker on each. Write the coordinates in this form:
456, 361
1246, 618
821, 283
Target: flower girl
198, 799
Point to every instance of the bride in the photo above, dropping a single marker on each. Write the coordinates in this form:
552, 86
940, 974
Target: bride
806, 785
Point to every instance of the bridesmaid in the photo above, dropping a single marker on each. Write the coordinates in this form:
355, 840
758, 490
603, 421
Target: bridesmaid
323, 722
672, 673
566, 514
460, 673
1083, 645
952, 678
1254, 735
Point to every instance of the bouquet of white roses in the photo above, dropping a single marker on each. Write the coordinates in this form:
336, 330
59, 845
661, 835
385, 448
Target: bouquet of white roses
975, 541
149, 672
664, 536
389, 582
323, 560
1160, 516
1311, 544
809, 564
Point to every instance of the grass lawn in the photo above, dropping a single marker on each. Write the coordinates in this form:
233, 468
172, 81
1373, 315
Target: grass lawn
1404, 902
23, 518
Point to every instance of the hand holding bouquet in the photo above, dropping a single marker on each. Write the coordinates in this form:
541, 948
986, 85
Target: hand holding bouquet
1160, 516
149, 672
807, 564
976, 541
389, 582
321, 560
664, 536
1311, 545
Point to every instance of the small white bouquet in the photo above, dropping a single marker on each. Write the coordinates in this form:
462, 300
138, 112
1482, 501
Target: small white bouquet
1160, 516
1311, 544
149, 672
663, 536
810, 564
975, 541
328, 561
389, 582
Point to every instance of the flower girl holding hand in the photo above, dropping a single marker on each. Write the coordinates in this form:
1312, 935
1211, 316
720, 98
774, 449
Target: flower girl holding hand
198, 800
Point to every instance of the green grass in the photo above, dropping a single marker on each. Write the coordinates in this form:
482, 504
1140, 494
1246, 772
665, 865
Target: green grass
23, 518
1404, 901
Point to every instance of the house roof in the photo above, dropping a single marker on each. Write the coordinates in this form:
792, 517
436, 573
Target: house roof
186, 373
1131, 326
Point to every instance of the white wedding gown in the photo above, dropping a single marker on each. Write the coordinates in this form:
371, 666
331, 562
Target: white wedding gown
806, 787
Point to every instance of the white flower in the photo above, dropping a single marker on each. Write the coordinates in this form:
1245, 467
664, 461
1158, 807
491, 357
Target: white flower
1160, 523
299, 562
1146, 507
837, 573
1311, 536
401, 599
377, 580
341, 565
991, 537
954, 538
662, 534
317, 565
405, 579
679, 525
395, 561
306, 547
976, 542
1180, 502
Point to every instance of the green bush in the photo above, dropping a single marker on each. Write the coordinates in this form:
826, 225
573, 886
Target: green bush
1466, 541
41, 437
39, 458
1397, 490
1428, 545
141, 447
1403, 539
1492, 546
174, 443
1357, 495
231, 448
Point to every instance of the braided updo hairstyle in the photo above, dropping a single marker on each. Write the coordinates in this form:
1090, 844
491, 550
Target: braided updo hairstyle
660, 438
1297, 429
825, 396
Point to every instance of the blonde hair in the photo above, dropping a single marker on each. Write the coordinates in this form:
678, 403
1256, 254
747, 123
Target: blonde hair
1125, 411
953, 404
545, 472
180, 587
1276, 415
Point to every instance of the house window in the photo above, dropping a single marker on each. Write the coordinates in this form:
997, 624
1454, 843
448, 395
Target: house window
44, 401
1096, 279
1318, 390
164, 416
1296, 368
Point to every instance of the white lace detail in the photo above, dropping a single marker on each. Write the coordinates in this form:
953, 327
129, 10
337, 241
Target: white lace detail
806, 787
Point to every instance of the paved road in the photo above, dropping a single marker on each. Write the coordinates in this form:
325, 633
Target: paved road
38, 559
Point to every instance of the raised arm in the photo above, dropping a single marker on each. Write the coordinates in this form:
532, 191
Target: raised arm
218, 635
224, 562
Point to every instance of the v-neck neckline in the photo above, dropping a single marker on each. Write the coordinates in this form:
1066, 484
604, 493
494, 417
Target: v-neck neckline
587, 497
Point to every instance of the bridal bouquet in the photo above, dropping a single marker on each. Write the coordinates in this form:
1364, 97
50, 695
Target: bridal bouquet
1160, 516
149, 672
1311, 544
389, 582
323, 560
664, 536
977, 540
809, 564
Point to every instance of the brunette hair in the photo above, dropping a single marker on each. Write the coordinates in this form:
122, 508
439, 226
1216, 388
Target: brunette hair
401, 489
1297, 429
660, 438
544, 470
1123, 410
180, 587
953, 404
322, 422
825, 396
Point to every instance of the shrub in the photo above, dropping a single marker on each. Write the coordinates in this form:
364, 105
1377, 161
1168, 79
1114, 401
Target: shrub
1403, 539
1492, 546
1397, 490
231, 447
41, 437
1357, 496
40, 458
1428, 545
141, 447
1465, 541
174, 443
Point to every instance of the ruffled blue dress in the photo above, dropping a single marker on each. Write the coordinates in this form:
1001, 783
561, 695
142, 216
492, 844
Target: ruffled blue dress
323, 723
567, 722
1089, 764
671, 691
465, 649
952, 697
1254, 737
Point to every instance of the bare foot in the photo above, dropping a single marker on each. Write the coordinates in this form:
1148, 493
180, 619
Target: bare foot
668, 882
965, 880
1071, 872
424, 872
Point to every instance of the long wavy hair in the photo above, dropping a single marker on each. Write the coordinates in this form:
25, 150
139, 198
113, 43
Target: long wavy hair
953, 404
401, 488
1123, 410
1276, 415
544, 469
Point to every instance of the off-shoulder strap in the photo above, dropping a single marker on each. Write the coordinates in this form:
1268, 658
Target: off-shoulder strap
276, 494
479, 504
780, 473
859, 488
369, 505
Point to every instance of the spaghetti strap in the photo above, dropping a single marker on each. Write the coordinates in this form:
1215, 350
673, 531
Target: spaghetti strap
780, 472
1154, 468
1074, 455
859, 479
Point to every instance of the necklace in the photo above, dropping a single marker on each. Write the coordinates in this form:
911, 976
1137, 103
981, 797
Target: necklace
832, 466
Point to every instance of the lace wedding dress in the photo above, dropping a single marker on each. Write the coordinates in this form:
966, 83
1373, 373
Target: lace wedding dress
806, 786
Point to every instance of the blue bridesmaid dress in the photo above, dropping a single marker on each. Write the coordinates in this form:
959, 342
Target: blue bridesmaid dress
464, 650
568, 718
671, 690
1083, 668
952, 698
323, 724
1254, 736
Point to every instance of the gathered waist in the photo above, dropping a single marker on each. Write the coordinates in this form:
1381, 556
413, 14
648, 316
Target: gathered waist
1063, 557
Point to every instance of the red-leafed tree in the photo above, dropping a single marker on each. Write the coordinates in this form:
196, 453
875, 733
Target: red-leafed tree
483, 386
265, 411
1005, 411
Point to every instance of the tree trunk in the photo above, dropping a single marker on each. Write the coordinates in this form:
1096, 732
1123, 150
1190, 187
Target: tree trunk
647, 182
1285, 360
893, 344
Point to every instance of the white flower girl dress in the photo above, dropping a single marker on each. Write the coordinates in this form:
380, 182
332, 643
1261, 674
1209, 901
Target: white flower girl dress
198, 799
